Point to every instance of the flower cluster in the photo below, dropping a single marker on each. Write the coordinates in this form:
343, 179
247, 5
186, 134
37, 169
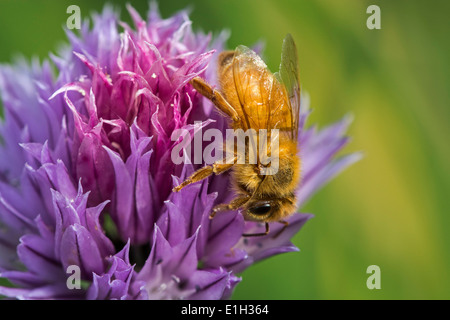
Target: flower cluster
86, 175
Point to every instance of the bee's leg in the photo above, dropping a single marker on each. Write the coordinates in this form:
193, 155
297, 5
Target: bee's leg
216, 98
258, 234
286, 223
203, 173
233, 205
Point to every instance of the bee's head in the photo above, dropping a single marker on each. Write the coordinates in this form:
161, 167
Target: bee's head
271, 197
269, 210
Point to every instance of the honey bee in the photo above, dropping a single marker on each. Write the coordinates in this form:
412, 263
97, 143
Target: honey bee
254, 98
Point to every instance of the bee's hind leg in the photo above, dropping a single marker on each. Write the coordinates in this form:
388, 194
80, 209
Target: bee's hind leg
216, 98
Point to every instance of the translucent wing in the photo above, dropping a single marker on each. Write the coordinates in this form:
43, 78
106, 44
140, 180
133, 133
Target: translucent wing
262, 100
253, 84
289, 76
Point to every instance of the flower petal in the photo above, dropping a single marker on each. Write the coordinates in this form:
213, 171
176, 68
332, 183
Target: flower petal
79, 248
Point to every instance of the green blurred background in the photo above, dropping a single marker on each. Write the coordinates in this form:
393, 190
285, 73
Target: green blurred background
390, 209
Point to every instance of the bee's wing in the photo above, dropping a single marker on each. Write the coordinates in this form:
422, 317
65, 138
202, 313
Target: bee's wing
253, 83
289, 76
263, 100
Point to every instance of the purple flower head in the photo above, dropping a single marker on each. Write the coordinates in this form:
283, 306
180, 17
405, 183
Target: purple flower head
86, 171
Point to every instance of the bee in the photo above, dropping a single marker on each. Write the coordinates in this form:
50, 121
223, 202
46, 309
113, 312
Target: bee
252, 97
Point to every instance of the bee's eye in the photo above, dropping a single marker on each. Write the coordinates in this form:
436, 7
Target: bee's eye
261, 209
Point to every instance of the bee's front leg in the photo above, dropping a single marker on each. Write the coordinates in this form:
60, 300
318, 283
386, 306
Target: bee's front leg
233, 205
265, 233
285, 225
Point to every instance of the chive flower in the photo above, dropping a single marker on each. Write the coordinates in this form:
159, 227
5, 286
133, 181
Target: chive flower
86, 175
